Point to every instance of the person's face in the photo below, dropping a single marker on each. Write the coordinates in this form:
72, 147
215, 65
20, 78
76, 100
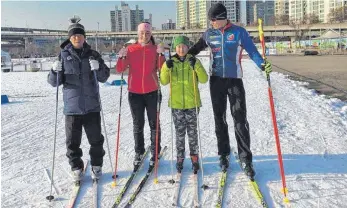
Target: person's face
216, 24
77, 40
181, 49
144, 36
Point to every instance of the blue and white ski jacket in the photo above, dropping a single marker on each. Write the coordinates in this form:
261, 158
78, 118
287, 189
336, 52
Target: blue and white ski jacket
226, 45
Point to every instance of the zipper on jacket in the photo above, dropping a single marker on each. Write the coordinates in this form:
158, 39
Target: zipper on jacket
143, 68
184, 105
223, 53
84, 103
81, 77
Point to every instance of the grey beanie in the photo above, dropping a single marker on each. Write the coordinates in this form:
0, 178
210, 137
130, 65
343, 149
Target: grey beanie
75, 27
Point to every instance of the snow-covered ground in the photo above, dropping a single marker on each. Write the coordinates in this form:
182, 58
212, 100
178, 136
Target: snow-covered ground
312, 128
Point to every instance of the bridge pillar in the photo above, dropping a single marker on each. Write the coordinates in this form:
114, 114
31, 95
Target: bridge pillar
26, 44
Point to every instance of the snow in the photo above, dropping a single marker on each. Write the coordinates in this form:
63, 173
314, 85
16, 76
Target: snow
312, 131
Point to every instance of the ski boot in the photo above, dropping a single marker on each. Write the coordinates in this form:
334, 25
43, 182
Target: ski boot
137, 161
77, 176
179, 164
248, 169
195, 163
96, 172
224, 162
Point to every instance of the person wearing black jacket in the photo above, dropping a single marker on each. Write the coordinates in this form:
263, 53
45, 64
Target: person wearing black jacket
75, 70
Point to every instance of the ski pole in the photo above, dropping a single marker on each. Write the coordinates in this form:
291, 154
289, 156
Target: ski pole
118, 132
172, 181
50, 197
102, 113
157, 127
204, 186
273, 114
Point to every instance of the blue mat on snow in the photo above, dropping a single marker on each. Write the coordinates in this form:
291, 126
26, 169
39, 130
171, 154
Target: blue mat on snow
4, 99
116, 83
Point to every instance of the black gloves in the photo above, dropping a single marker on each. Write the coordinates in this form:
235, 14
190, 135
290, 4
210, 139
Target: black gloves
169, 63
192, 61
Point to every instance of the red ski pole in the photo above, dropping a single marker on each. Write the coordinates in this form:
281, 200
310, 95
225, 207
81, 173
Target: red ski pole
273, 114
114, 182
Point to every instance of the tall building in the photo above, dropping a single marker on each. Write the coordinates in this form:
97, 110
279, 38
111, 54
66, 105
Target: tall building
281, 8
137, 16
182, 14
194, 13
250, 12
169, 25
125, 19
113, 22
149, 19
300, 9
265, 11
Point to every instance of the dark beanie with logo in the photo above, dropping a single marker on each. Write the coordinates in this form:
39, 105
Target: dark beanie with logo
218, 12
75, 27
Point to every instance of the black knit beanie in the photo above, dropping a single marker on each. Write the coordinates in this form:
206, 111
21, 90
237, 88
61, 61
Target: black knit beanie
217, 11
75, 27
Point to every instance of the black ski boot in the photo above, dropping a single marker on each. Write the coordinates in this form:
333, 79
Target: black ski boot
179, 164
137, 160
195, 163
248, 169
152, 162
224, 162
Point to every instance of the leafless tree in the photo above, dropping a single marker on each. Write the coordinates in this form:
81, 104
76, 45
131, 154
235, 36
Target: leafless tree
282, 19
338, 14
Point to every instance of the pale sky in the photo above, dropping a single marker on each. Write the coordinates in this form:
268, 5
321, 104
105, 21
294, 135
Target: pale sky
55, 14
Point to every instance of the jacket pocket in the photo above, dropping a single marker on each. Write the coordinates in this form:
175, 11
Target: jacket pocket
72, 72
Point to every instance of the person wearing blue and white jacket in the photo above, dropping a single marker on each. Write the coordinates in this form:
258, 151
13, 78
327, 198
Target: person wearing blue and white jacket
226, 42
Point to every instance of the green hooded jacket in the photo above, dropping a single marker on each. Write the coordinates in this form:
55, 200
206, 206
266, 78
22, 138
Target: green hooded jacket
182, 82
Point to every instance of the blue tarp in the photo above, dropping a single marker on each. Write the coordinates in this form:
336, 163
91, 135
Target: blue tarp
4, 99
117, 82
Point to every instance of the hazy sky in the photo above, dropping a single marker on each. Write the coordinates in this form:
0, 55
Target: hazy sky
55, 14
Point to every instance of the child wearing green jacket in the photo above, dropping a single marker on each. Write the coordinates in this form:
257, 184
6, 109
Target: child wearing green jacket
183, 72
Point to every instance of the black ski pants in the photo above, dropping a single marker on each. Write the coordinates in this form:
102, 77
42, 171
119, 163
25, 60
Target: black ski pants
138, 103
73, 129
233, 89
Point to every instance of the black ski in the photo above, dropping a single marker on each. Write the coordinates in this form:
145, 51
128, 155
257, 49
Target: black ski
144, 180
129, 181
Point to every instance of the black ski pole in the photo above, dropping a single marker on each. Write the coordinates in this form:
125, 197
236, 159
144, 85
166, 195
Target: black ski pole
50, 197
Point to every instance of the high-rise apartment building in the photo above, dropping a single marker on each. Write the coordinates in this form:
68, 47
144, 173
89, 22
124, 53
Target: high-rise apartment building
126, 19
300, 9
265, 11
169, 25
194, 13
281, 8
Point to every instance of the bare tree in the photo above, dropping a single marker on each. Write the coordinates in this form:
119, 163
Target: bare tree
31, 49
338, 14
311, 19
282, 19
102, 47
16, 52
297, 25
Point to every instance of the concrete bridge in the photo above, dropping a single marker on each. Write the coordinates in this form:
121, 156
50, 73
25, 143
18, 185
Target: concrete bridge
269, 31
